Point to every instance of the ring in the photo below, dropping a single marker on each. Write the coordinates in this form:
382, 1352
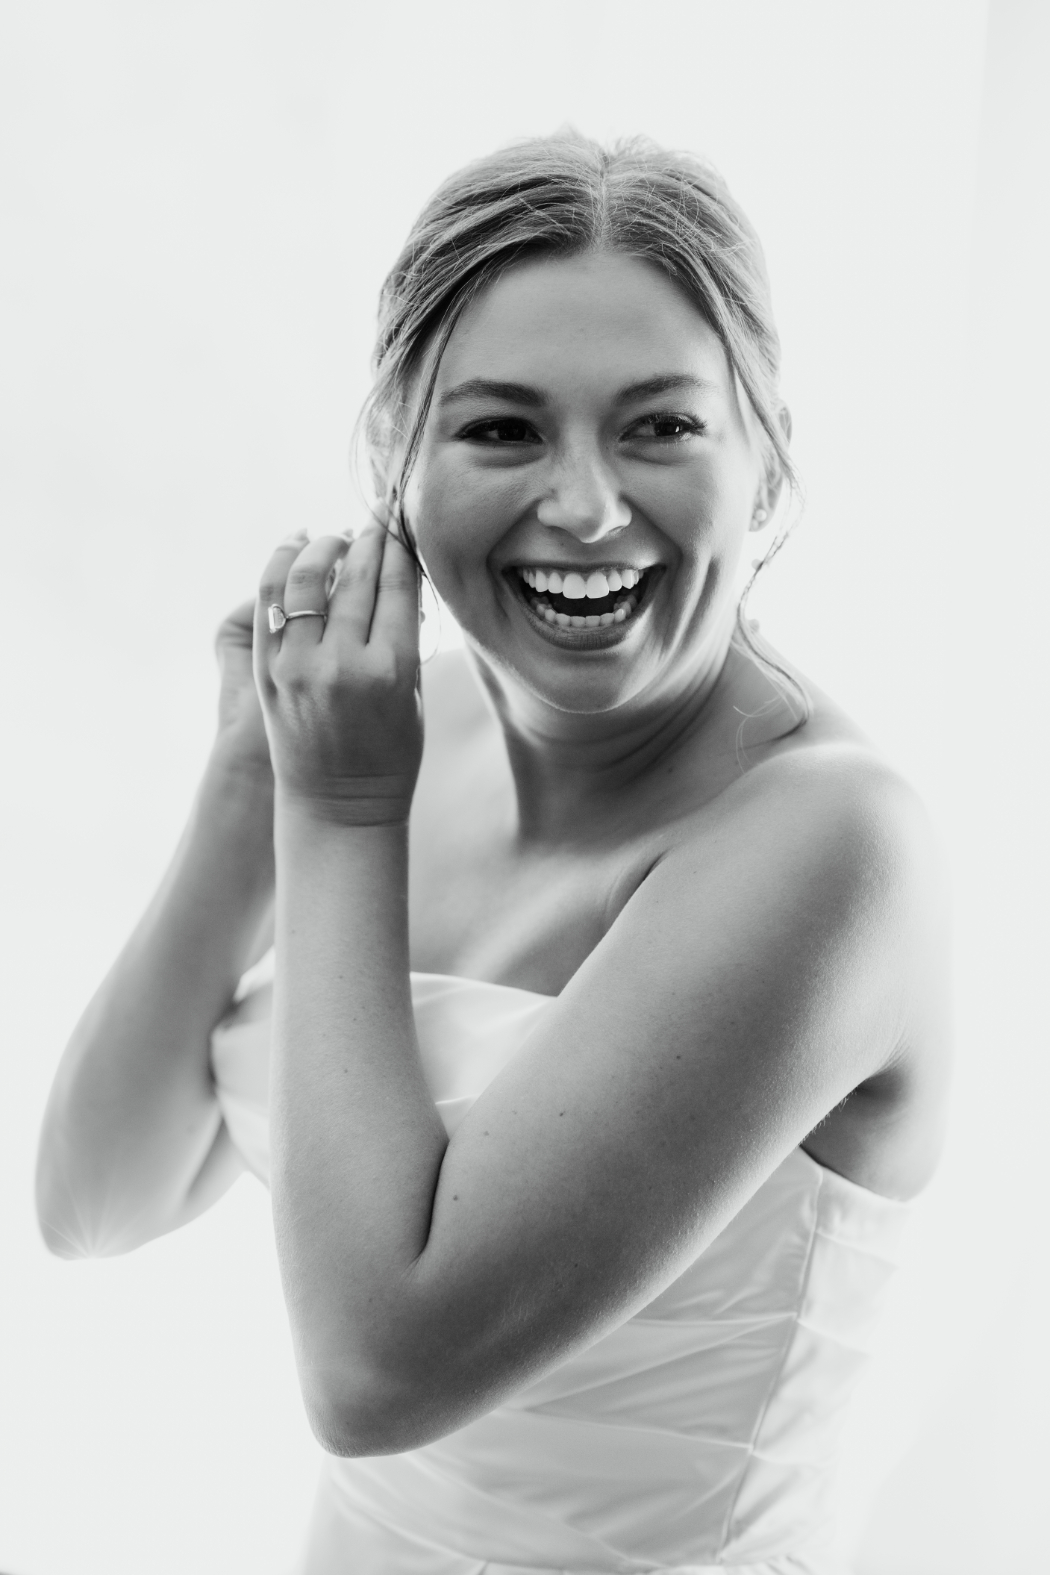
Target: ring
277, 617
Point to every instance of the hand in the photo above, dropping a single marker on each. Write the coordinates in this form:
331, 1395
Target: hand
340, 696
242, 731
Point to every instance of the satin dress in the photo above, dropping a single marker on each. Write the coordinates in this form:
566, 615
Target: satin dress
699, 1436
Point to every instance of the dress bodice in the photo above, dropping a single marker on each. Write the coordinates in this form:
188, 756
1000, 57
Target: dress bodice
699, 1434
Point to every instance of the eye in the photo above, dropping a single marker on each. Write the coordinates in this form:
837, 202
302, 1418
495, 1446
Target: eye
500, 430
667, 426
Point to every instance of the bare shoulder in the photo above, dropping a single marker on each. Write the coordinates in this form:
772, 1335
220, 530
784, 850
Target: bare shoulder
841, 795
823, 793
819, 800
838, 844
840, 827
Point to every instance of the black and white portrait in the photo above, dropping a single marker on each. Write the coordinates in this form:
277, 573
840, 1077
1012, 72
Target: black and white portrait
524, 798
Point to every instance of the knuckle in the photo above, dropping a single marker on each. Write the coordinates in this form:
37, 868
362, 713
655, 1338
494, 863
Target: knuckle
294, 681
385, 670
354, 569
319, 678
303, 576
397, 579
238, 620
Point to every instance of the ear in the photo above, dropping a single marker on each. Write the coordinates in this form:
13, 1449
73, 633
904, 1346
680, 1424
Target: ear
379, 464
768, 495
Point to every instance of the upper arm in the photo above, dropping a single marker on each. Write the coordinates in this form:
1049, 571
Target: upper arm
760, 973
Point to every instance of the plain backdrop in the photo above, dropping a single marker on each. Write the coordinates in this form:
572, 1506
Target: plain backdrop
199, 203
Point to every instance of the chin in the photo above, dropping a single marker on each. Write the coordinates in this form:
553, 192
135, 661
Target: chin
580, 684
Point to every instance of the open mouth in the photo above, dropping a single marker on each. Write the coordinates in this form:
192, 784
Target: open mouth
595, 599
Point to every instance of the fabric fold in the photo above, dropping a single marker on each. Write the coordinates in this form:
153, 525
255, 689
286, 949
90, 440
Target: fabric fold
699, 1435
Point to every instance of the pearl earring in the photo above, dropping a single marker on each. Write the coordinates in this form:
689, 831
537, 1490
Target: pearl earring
758, 519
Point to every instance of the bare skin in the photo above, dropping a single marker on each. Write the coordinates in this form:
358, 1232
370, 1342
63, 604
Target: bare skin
746, 946
485, 907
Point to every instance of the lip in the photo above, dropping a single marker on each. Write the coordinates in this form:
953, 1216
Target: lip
581, 568
583, 639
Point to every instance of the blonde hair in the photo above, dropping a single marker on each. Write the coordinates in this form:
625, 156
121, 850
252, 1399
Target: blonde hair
557, 197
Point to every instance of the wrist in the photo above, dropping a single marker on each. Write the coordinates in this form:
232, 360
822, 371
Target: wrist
241, 773
235, 804
341, 881
378, 804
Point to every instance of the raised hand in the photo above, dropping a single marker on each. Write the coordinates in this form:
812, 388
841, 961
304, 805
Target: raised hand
340, 691
242, 731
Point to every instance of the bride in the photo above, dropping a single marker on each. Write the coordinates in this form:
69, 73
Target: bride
602, 1041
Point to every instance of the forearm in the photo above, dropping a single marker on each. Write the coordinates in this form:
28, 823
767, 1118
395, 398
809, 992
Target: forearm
132, 1114
357, 1142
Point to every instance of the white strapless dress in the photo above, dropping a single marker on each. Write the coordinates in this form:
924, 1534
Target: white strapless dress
699, 1436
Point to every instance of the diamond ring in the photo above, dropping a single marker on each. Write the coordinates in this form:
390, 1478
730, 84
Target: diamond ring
277, 617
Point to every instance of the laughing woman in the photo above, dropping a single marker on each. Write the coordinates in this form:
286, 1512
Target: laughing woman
607, 1039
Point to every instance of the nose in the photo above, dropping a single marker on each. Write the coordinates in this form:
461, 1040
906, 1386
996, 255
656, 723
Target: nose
584, 499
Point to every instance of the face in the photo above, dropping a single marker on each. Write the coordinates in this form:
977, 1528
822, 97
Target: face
586, 479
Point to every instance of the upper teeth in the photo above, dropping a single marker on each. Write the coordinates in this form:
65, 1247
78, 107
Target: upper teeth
599, 583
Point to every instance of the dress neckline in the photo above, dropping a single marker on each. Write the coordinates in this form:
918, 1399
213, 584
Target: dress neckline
834, 1178
823, 1173
482, 984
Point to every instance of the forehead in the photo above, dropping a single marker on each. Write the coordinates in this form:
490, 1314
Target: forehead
596, 317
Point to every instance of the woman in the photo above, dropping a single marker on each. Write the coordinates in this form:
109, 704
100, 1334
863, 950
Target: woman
608, 1031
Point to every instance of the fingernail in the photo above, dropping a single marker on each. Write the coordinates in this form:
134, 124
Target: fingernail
296, 537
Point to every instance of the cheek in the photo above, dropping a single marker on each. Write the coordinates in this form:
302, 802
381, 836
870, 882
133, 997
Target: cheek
706, 508
434, 506
458, 514
685, 508
701, 512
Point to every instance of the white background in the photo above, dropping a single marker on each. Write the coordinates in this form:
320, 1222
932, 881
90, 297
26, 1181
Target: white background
200, 202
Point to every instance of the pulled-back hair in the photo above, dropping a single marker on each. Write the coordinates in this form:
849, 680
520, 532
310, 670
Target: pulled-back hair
558, 197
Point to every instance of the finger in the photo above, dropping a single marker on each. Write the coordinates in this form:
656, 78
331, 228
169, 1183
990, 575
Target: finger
236, 627
306, 590
396, 617
271, 593
353, 599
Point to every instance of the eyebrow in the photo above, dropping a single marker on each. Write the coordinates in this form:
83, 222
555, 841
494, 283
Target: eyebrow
669, 383
483, 388
535, 399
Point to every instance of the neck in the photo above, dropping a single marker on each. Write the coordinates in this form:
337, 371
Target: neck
575, 772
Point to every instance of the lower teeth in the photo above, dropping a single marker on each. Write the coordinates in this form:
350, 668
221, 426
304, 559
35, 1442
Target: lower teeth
620, 614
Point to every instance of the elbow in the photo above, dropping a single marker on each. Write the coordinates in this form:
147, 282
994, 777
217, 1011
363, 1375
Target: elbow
375, 1416
59, 1226
58, 1242
63, 1216
64, 1231
71, 1223
75, 1235
65, 1237
353, 1430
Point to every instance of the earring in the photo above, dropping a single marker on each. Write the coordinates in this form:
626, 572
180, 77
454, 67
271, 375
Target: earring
758, 519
